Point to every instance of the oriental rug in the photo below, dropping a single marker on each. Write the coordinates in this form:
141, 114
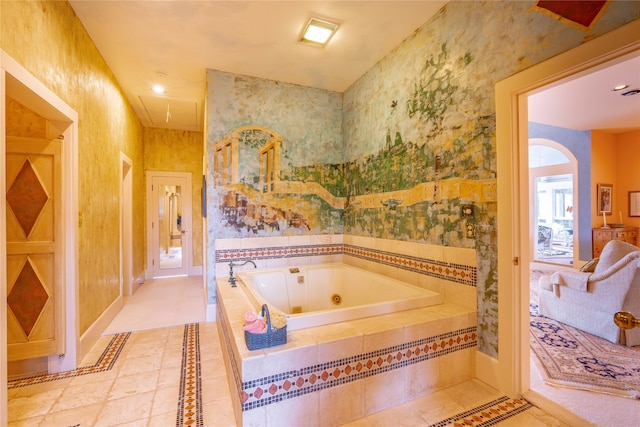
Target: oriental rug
568, 357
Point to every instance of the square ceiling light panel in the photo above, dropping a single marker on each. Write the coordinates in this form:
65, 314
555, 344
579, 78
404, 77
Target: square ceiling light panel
318, 32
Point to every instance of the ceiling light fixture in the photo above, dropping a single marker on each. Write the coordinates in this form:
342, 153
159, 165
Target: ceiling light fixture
619, 88
318, 32
159, 89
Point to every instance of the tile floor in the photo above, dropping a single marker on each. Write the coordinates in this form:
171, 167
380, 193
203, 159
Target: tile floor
174, 375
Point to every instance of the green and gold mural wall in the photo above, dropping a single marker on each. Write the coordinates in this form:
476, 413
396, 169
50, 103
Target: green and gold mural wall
275, 158
408, 152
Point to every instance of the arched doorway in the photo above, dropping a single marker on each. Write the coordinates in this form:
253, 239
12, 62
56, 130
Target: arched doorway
553, 202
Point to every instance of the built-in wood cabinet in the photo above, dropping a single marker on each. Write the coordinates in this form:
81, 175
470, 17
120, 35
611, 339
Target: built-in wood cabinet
602, 235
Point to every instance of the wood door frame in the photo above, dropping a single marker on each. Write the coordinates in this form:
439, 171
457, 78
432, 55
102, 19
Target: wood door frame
511, 371
127, 281
187, 253
18, 83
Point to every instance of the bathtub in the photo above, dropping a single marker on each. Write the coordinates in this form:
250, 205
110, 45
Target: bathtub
316, 295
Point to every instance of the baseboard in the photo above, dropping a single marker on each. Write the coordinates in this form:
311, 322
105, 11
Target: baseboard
94, 332
487, 370
559, 412
210, 313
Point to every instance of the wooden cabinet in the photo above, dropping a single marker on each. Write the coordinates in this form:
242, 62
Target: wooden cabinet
602, 235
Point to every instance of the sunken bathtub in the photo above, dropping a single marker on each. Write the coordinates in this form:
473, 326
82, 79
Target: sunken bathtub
357, 343
316, 295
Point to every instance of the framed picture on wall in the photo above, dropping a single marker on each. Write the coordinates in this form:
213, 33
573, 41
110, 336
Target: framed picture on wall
634, 203
605, 199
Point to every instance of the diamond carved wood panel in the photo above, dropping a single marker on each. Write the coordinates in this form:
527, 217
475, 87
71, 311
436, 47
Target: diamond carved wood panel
27, 197
27, 298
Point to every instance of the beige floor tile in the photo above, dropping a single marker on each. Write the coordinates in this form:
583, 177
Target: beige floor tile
83, 416
30, 422
169, 377
218, 414
165, 400
138, 365
81, 395
126, 410
131, 385
32, 406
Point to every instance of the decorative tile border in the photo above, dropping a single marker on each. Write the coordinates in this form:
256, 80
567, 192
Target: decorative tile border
464, 274
190, 396
488, 414
104, 363
458, 273
228, 255
297, 382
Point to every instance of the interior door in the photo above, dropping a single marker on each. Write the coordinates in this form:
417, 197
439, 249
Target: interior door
170, 213
35, 291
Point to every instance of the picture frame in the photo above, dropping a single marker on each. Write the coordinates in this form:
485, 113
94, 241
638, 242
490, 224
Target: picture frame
604, 199
634, 203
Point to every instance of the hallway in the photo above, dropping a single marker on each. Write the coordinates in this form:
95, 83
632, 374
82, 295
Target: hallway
160, 364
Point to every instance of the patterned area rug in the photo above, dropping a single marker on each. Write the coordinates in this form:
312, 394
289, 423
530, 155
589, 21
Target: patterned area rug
571, 358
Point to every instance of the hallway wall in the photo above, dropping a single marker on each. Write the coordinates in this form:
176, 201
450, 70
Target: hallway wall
179, 151
48, 40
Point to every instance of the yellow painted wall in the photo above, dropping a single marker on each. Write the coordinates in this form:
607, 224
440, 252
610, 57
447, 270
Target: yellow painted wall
603, 171
179, 151
614, 160
628, 172
48, 40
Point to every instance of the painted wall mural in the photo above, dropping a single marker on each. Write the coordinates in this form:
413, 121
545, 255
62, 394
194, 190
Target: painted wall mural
263, 194
408, 154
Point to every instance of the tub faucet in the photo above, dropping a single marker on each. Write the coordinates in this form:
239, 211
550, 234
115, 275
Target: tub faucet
232, 279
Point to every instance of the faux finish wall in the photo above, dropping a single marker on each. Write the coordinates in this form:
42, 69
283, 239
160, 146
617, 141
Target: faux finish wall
434, 97
179, 151
418, 147
48, 40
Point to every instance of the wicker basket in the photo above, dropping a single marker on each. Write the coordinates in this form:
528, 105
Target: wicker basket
266, 339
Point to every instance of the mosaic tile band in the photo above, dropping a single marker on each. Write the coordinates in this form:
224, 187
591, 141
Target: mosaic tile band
275, 388
104, 363
190, 396
458, 273
488, 414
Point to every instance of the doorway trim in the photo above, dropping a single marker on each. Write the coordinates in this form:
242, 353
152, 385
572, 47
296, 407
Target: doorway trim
512, 162
557, 169
127, 282
186, 220
17, 82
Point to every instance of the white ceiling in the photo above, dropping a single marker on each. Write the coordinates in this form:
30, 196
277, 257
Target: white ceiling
181, 39
588, 102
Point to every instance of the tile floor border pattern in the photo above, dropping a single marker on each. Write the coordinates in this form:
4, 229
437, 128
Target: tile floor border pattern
488, 414
190, 395
105, 362
458, 273
297, 382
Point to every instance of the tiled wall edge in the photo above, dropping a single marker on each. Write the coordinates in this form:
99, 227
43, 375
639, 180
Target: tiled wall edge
462, 273
296, 382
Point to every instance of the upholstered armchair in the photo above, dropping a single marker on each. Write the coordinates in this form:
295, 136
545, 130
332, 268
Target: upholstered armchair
589, 300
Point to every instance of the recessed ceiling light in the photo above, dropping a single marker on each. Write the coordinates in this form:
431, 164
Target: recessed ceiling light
318, 32
159, 89
619, 88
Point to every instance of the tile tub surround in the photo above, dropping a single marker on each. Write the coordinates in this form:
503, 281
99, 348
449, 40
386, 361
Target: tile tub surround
341, 372
449, 271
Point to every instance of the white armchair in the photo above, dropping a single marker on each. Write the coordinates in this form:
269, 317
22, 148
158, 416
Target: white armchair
588, 301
